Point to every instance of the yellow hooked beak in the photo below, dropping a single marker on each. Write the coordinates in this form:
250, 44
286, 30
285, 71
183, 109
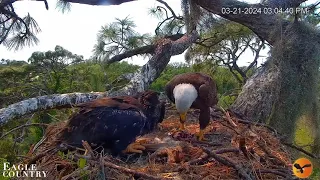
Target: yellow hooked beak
183, 117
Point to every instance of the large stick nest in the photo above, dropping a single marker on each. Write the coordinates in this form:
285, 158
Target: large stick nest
235, 149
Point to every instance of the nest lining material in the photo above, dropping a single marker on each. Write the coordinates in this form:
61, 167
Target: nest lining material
234, 150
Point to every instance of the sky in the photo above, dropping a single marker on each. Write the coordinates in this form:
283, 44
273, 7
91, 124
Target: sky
77, 30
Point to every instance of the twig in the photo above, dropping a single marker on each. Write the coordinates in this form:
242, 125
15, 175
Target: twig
200, 159
300, 149
22, 126
141, 50
242, 120
88, 148
258, 124
38, 144
74, 173
22, 156
228, 117
170, 9
228, 162
131, 171
268, 152
271, 171
226, 150
206, 143
103, 174
37, 157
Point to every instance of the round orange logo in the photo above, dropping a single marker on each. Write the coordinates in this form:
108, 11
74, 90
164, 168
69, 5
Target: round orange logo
302, 168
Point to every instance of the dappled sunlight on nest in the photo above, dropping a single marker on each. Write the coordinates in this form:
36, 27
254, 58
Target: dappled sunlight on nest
238, 150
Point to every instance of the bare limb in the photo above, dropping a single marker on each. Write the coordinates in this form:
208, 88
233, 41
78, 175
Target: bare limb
98, 2
271, 171
22, 126
131, 171
170, 9
140, 81
228, 162
300, 149
257, 52
45, 102
141, 50
6, 3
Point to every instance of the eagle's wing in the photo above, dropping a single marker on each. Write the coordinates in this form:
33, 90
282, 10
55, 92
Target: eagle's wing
122, 102
204, 94
169, 92
108, 127
208, 93
162, 111
79, 119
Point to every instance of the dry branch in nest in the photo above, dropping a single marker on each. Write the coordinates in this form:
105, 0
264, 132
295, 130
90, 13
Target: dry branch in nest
233, 151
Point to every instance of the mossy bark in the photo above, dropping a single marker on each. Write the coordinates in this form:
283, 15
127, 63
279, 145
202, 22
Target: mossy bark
284, 90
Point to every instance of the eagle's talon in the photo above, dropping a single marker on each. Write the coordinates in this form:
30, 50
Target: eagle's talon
134, 148
200, 136
181, 127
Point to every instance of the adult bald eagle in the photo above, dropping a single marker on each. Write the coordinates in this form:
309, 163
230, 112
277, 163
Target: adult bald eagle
193, 90
114, 123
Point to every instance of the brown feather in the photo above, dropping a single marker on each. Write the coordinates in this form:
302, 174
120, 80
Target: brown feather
207, 93
121, 102
204, 84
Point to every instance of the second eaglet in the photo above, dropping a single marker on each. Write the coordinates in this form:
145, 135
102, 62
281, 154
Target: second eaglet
114, 123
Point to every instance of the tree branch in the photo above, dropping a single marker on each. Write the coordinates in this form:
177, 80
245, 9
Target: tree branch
6, 3
257, 52
165, 48
228, 162
45, 102
98, 2
22, 126
131, 171
141, 50
170, 9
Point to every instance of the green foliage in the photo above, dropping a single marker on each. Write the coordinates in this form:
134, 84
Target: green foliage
169, 72
168, 25
114, 70
2, 161
16, 32
18, 82
117, 37
82, 163
315, 174
63, 6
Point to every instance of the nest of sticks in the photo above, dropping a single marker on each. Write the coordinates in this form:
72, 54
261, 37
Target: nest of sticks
235, 149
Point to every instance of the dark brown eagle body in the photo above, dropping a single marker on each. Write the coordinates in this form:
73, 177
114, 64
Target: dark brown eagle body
206, 94
114, 123
206, 87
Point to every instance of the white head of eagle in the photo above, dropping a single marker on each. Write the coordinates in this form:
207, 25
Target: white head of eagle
184, 95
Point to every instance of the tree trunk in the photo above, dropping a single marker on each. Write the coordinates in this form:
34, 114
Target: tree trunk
283, 92
259, 93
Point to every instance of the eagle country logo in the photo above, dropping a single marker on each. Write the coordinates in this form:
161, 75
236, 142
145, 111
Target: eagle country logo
302, 168
22, 171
